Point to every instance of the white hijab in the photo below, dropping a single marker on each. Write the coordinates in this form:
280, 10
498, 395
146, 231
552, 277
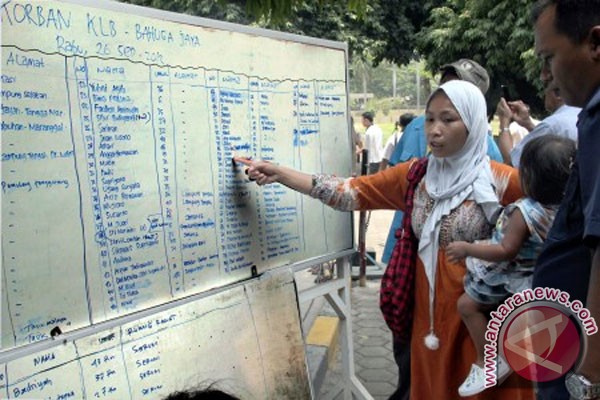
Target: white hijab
452, 180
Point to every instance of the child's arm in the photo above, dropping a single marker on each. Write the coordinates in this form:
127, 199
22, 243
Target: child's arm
514, 237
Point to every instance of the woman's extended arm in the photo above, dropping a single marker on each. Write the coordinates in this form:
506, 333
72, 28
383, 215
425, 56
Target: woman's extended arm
384, 190
264, 172
514, 237
322, 187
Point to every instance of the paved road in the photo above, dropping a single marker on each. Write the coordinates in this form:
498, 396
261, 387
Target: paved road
373, 356
374, 360
377, 231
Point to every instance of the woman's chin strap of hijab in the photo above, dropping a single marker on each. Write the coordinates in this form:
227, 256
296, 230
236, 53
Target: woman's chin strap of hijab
452, 180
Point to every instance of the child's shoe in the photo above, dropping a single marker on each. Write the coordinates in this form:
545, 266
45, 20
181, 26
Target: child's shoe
502, 370
475, 382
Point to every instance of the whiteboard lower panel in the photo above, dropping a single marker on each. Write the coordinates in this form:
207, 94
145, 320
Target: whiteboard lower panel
246, 340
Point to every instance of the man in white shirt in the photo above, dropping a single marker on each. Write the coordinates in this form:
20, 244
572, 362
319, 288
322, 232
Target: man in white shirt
373, 140
562, 122
518, 132
393, 140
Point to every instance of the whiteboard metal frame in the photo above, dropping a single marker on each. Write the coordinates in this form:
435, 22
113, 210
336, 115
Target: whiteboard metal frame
336, 292
206, 23
13, 353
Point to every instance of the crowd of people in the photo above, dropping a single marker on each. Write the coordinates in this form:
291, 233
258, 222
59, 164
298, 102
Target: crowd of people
476, 228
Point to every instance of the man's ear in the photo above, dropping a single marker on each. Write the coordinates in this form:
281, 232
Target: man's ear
595, 42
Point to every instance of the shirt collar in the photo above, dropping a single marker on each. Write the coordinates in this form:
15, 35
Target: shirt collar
593, 103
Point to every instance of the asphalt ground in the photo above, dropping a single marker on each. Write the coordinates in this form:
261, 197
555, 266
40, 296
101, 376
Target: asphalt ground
373, 355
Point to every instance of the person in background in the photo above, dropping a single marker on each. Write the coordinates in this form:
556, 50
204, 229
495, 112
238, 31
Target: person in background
518, 132
453, 199
567, 39
373, 140
562, 122
358, 146
503, 265
390, 145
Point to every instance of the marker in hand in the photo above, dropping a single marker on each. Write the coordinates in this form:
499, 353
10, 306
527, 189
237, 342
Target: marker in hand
266, 172
246, 161
263, 172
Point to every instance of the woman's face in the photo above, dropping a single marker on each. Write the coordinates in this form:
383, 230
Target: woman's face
445, 130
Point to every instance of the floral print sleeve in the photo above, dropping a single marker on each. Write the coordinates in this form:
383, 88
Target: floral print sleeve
383, 190
335, 192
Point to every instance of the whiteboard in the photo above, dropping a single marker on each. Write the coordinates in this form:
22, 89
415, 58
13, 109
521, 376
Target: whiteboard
118, 128
245, 340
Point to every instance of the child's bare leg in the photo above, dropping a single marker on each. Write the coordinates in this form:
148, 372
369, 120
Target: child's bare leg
473, 315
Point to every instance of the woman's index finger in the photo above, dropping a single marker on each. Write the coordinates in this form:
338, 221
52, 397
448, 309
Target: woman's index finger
243, 160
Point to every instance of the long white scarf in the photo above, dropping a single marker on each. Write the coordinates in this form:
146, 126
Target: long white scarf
452, 180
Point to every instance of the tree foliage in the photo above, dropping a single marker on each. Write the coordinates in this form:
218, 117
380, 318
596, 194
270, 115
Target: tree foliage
497, 34
384, 30
230, 11
375, 31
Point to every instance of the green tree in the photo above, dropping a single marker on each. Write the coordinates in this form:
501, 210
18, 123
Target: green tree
497, 34
231, 11
383, 30
375, 31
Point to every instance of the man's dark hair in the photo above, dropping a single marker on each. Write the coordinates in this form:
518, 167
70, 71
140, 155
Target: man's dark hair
545, 168
368, 115
574, 18
406, 119
202, 392
206, 394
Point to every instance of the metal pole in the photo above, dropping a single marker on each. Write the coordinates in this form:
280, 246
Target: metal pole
362, 229
364, 84
394, 80
418, 87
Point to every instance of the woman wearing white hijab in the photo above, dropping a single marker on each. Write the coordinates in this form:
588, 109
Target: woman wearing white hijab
458, 199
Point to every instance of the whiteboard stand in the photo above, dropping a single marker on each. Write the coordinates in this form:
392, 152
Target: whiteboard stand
337, 293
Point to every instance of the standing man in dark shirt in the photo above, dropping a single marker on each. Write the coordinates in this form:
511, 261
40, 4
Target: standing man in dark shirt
567, 39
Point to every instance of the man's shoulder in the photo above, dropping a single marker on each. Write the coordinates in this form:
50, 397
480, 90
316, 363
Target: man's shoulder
593, 106
417, 123
415, 127
562, 122
566, 112
373, 129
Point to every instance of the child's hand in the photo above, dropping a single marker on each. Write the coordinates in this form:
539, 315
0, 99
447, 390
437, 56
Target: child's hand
456, 251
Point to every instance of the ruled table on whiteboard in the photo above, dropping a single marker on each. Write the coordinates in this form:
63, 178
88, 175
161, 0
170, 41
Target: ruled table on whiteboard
118, 190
